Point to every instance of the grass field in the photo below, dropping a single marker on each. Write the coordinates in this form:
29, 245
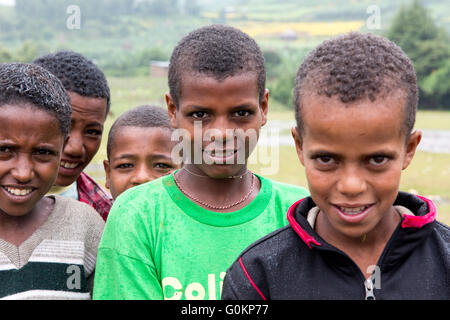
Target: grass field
428, 174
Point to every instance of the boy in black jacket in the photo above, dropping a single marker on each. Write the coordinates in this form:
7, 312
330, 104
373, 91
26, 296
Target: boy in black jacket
357, 236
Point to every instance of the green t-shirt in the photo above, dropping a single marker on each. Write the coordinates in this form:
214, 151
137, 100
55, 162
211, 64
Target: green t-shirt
158, 244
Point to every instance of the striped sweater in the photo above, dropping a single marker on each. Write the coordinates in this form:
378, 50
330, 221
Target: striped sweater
57, 261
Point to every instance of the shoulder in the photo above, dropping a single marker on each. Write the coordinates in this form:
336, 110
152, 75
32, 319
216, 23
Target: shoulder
135, 215
80, 222
272, 245
77, 211
263, 263
442, 231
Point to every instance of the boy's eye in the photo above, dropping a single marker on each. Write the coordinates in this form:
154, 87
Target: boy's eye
242, 113
94, 132
378, 160
163, 166
198, 114
124, 166
325, 160
5, 149
44, 152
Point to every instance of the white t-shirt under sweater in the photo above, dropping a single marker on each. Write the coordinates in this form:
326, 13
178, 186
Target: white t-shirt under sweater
57, 261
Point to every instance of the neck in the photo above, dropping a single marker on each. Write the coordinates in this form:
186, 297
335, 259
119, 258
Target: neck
218, 191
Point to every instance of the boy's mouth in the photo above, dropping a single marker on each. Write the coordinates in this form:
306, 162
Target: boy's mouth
353, 210
353, 213
69, 164
220, 153
18, 191
221, 156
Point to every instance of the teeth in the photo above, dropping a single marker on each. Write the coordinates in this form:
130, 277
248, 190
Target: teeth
18, 192
69, 165
223, 153
352, 211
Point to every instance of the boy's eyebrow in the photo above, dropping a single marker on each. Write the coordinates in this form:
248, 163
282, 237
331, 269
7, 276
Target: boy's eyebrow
319, 153
241, 106
134, 156
94, 123
124, 156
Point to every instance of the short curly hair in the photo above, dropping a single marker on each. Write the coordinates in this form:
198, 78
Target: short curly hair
78, 74
218, 51
24, 84
357, 66
145, 116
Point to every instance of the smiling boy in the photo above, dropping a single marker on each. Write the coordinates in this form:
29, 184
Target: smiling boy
48, 244
89, 95
356, 236
174, 237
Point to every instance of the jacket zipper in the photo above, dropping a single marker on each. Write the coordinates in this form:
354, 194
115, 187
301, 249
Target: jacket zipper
368, 284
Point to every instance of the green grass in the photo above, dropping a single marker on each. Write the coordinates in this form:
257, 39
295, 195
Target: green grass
428, 174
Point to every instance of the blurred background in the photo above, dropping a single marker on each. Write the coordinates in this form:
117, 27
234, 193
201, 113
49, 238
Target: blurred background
131, 41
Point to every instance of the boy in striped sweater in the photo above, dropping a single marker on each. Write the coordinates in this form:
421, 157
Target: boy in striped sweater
48, 244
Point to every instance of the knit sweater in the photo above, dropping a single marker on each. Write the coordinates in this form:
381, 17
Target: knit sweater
57, 261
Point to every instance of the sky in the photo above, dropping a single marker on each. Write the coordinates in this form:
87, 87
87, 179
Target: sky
7, 2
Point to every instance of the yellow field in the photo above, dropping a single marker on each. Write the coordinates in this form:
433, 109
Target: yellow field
312, 29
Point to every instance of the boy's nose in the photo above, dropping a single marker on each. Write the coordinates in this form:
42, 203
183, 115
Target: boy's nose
74, 146
142, 175
351, 183
23, 171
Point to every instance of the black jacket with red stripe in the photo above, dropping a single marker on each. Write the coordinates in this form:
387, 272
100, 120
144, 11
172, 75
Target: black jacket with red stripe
294, 262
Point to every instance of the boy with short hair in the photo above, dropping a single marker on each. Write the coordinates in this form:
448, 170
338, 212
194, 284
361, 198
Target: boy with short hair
48, 244
89, 95
174, 237
356, 236
139, 149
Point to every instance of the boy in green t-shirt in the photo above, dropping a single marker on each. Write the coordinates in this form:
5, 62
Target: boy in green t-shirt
174, 237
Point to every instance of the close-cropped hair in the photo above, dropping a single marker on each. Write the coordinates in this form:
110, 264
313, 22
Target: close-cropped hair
145, 116
354, 67
217, 51
78, 74
25, 84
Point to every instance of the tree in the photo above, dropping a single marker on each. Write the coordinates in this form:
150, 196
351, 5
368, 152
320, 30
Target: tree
437, 86
5, 56
427, 45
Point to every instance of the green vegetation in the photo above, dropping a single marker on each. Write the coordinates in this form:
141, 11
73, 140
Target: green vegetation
415, 31
123, 36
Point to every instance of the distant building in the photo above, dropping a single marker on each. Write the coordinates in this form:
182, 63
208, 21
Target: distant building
159, 68
288, 34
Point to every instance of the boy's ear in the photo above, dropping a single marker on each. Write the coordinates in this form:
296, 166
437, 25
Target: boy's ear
411, 147
107, 172
172, 110
298, 144
264, 105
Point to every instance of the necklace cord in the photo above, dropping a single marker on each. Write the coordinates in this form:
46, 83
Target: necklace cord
208, 205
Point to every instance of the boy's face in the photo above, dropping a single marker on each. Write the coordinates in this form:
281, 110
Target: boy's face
353, 157
138, 155
30, 151
218, 109
86, 129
